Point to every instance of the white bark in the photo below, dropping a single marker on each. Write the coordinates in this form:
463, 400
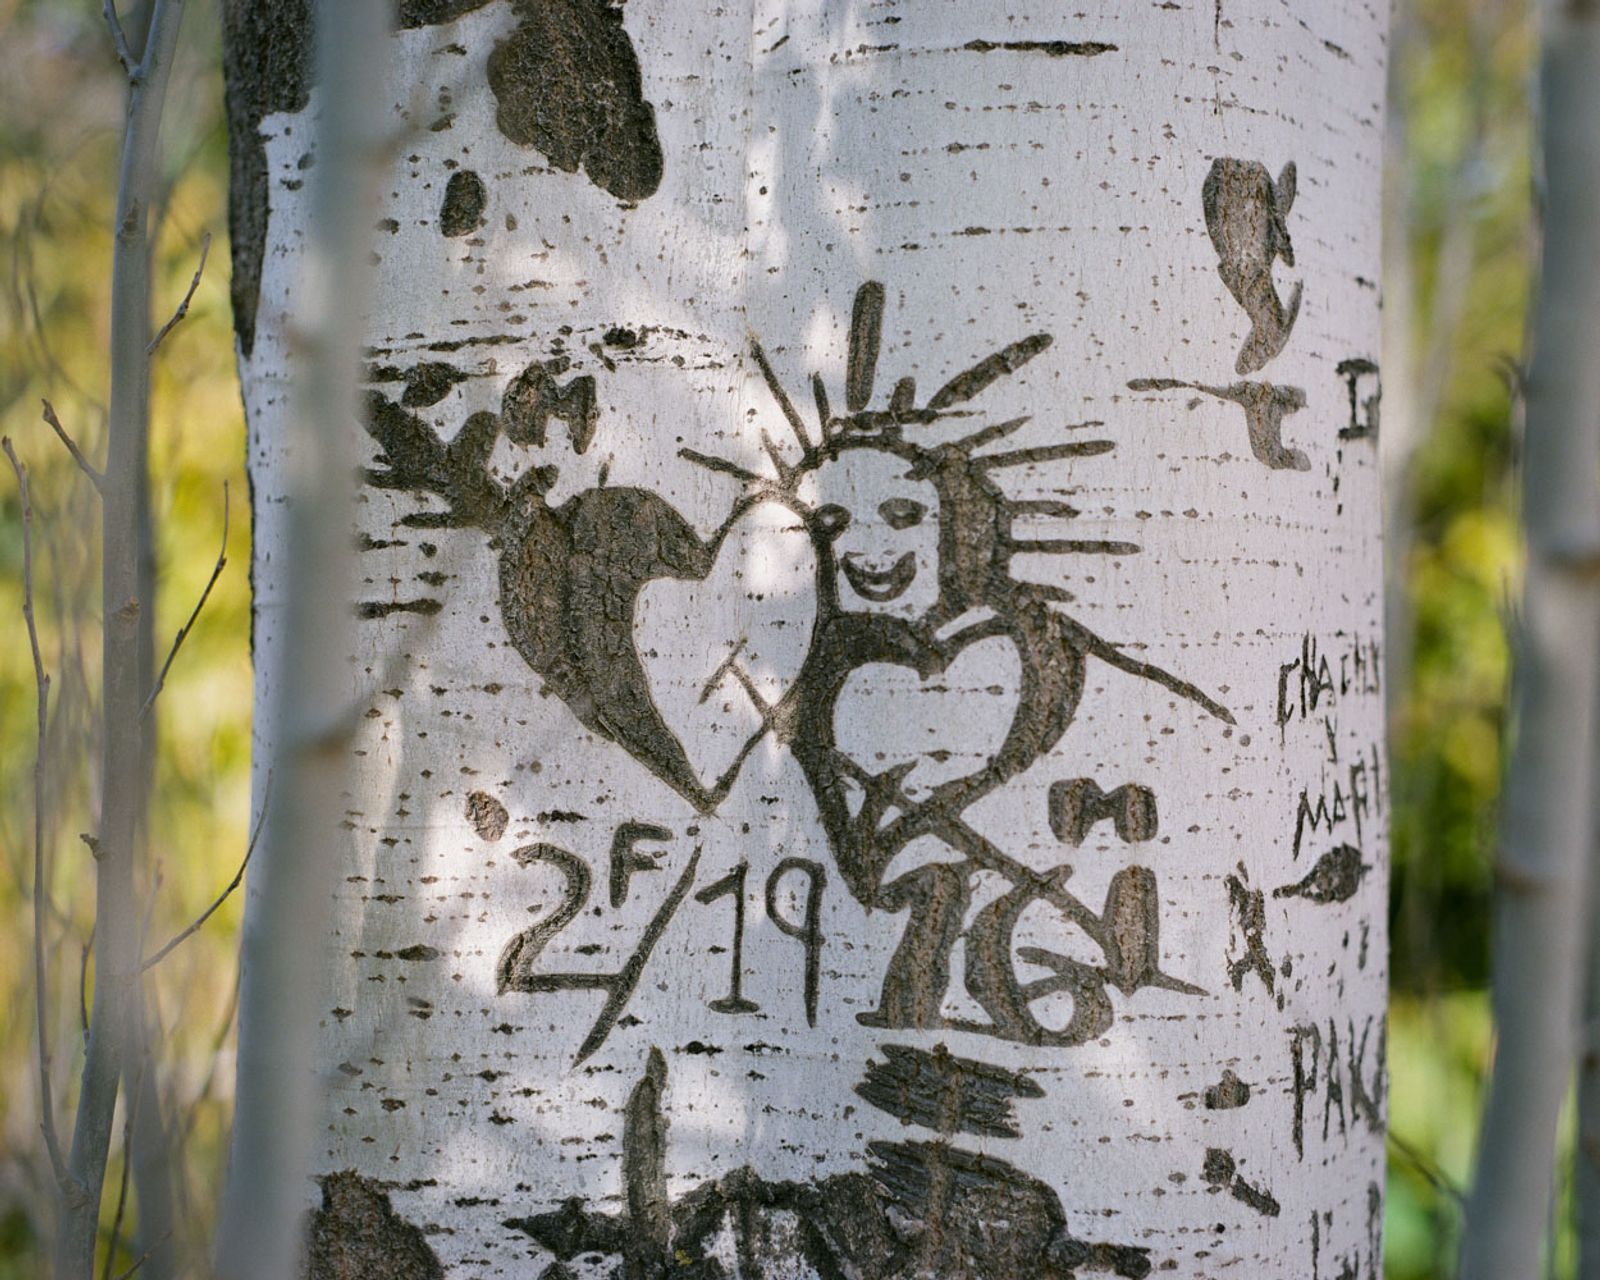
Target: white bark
309, 718
116, 1047
641, 680
1542, 877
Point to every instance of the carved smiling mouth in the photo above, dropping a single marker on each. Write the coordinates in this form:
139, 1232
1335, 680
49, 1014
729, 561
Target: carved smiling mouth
879, 585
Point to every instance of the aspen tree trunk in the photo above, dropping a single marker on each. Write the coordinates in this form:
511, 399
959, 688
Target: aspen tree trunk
871, 591
1543, 873
310, 687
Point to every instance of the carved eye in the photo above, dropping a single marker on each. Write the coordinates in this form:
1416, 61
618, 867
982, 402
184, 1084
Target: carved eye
902, 513
831, 520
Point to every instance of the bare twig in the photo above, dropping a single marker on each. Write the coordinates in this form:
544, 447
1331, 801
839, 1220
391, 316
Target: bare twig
183, 307
238, 876
183, 631
24, 284
84, 465
42, 686
119, 40
144, 1257
1428, 1170
83, 984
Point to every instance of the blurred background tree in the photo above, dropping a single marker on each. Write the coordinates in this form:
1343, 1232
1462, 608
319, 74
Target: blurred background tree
1461, 200
61, 115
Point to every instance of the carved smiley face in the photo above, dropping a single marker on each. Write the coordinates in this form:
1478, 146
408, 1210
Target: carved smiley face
883, 528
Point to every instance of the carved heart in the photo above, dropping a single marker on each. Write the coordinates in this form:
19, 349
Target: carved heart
944, 726
719, 650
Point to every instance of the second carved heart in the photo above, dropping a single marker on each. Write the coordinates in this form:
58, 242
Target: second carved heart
894, 511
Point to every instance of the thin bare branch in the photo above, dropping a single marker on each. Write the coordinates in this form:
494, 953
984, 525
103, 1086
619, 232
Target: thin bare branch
83, 984
183, 631
24, 282
1427, 1170
144, 1257
183, 307
42, 687
119, 40
95, 477
238, 877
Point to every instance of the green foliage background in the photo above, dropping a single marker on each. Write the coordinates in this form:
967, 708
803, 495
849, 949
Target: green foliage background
1461, 190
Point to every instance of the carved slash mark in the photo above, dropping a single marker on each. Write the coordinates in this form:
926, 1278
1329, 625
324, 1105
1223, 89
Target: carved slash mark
516, 969
1246, 215
1076, 806
1221, 1172
567, 83
465, 198
1335, 877
355, 1233
1265, 407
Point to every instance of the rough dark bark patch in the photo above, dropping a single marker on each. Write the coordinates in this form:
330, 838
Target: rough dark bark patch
266, 60
465, 198
429, 382
428, 13
568, 83
356, 1235
945, 1093
1227, 1093
487, 815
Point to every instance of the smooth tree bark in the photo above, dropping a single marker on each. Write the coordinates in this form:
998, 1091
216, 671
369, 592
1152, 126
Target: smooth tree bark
870, 607
312, 710
116, 1055
1543, 877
